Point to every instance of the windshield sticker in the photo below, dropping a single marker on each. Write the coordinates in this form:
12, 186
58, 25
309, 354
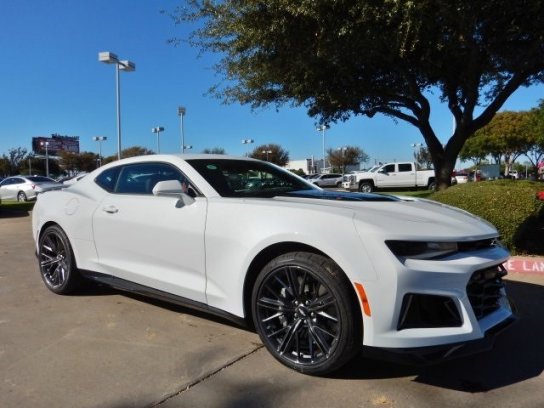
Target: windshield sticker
211, 167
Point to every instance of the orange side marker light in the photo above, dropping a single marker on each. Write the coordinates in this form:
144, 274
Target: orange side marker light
364, 300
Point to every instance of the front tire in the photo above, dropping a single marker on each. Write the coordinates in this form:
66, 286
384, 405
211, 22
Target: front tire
304, 310
56, 261
366, 187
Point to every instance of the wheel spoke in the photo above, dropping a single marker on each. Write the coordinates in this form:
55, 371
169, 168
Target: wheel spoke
321, 343
293, 329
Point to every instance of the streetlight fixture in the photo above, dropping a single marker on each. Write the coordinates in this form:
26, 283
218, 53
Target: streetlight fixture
127, 66
46, 144
158, 131
247, 141
181, 114
322, 129
267, 153
99, 139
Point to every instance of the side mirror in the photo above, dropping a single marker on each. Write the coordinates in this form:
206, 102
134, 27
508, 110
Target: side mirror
173, 188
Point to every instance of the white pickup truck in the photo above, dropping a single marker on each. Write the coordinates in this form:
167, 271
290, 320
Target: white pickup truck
390, 175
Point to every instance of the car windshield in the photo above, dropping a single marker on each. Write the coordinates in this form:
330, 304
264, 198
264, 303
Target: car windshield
244, 178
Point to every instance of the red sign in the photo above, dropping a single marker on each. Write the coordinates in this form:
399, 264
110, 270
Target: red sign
525, 265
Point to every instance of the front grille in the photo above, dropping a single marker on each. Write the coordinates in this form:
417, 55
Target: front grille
476, 245
484, 289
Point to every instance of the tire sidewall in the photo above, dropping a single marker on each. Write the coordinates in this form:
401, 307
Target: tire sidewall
71, 281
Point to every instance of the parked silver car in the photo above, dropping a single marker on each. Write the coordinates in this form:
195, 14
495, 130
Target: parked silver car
24, 188
327, 180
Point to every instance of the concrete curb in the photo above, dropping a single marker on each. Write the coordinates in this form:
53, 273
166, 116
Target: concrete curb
525, 264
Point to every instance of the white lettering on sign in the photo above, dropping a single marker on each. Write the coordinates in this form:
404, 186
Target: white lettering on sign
516, 265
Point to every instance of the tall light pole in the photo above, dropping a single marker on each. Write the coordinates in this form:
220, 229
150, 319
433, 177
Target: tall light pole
158, 131
181, 114
127, 66
415, 146
46, 144
322, 129
99, 139
267, 153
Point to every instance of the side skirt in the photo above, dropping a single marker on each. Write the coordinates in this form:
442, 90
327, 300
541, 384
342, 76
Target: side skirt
146, 291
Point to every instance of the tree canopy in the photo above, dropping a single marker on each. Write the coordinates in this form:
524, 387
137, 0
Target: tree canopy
361, 57
271, 152
345, 156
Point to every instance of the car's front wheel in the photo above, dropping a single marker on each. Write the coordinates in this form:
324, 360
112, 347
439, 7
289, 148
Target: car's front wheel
21, 196
366, 187
305, 313
56, 261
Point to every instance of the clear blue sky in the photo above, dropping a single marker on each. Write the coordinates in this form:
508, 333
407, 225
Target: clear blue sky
51, 82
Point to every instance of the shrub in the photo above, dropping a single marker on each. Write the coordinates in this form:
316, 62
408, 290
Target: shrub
512, 206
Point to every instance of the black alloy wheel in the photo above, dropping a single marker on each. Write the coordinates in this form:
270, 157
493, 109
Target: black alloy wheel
56, 261
306, 314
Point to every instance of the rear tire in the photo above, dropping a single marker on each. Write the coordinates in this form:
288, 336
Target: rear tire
304, 310
56, 261
21, 197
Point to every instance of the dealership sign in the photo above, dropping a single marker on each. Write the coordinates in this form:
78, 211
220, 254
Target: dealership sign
525, 265
55, 144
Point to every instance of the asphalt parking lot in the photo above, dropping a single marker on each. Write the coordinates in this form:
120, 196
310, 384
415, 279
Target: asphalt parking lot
104, 348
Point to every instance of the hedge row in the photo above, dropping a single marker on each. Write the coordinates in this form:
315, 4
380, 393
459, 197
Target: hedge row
510, 205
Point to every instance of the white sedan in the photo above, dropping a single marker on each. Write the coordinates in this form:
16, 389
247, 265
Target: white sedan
320, 274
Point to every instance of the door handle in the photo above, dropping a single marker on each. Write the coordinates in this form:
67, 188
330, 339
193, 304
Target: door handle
111, 209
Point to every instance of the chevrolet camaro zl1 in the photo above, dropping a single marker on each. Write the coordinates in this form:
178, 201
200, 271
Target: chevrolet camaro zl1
319, 274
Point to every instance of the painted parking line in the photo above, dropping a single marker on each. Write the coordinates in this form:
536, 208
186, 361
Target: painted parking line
530, 265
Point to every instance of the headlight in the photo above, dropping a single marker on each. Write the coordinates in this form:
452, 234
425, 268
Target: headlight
421, 250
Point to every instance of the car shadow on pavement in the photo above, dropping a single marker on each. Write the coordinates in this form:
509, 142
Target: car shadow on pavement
13, 213
516, 357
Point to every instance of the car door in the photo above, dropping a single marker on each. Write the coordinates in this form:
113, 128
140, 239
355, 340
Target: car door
387, 176
154, 241
9, 188
406, 175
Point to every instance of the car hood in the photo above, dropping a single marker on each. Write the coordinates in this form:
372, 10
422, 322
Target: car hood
402, 216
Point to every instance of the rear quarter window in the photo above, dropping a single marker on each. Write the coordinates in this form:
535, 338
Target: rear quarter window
107, 179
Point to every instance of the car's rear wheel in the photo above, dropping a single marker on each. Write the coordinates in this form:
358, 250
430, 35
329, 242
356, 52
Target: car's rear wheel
56, 261
21, 196
304, 311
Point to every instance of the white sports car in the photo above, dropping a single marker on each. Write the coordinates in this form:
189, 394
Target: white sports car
319, 274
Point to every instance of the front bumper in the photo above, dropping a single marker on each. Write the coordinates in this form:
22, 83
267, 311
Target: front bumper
437, 354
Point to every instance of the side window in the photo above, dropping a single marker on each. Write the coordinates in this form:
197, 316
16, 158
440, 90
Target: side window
141, 178
107, 179
390, 168
405, 167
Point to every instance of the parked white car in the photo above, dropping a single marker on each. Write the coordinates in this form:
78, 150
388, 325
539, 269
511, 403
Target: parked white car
320, 274
24, 188
327, 180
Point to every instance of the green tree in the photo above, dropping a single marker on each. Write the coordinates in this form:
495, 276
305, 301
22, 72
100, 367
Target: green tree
129, 152
346, 156
423, 158
15, 159
271, 152
361, 57
535, 154
508, 136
